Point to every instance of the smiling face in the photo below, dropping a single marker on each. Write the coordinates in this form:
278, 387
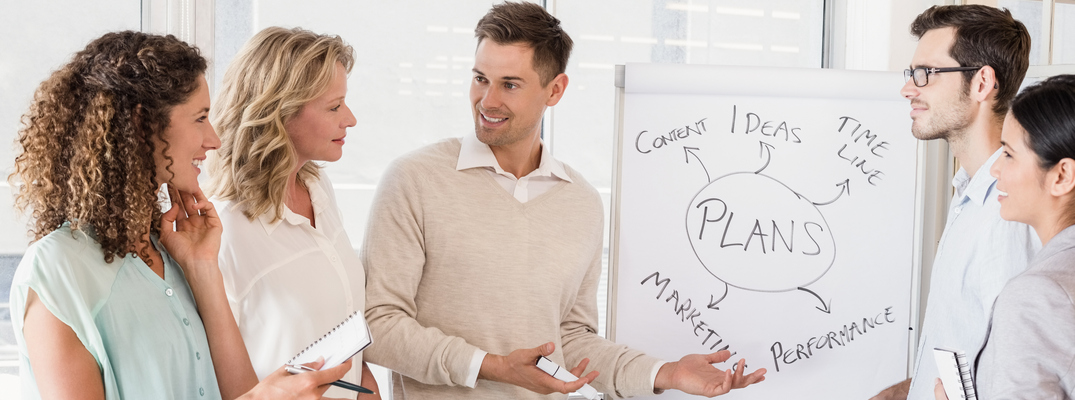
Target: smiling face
1020, 178
942, 108
189, 136
317, 131
506, 94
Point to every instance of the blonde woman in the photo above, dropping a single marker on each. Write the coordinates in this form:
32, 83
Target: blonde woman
115, 300
284, 254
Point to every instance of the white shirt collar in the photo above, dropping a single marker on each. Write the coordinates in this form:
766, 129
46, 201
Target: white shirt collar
318, 198
475, 154
978, 187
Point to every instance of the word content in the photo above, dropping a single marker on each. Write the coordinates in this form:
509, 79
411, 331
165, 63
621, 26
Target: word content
646, 142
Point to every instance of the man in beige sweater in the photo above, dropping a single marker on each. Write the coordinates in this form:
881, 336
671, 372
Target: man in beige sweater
484, 253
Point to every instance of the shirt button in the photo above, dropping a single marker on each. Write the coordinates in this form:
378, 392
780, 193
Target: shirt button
186, 321
958, 209
334, 258
168, 292
201, 391
198, 355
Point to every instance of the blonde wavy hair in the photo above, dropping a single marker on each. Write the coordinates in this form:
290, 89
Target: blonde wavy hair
85, 148
273, 76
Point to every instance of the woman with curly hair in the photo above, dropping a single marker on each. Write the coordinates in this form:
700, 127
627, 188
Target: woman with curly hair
284, 254
115, 299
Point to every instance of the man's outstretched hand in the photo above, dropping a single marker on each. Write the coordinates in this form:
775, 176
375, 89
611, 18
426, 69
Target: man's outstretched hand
520, 369
695, 374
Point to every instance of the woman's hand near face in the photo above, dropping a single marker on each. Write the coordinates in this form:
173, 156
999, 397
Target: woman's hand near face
194, 240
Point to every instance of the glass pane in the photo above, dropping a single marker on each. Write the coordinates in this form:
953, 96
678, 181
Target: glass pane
1064, 32
1029, 13
763, 33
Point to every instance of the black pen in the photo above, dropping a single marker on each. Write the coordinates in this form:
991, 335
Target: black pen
298, 369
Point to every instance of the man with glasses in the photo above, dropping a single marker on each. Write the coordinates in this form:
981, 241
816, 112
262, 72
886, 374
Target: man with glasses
967, 68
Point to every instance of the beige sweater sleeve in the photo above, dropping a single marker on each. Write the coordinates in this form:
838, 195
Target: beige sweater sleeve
394, 257
624, 372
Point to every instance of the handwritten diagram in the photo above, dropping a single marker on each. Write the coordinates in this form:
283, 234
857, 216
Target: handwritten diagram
773, 221
785, 246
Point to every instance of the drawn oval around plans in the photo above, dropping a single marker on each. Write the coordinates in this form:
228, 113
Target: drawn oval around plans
755, 233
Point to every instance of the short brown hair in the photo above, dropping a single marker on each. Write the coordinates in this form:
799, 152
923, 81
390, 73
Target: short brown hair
529, 23
984, 36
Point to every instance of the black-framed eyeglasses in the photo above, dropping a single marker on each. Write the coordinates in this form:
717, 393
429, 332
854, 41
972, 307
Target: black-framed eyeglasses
921, 74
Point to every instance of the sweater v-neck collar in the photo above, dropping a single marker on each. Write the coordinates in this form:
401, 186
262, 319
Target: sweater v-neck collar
503, 194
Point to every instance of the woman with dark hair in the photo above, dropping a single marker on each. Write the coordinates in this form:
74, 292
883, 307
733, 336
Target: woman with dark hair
1030, 351
115, 299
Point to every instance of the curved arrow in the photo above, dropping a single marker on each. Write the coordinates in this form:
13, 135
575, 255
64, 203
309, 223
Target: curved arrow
827, 309
714, 301
766, 152
846, 188
687, 153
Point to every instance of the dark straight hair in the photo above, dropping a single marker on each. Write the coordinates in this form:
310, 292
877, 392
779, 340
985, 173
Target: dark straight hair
1046, 111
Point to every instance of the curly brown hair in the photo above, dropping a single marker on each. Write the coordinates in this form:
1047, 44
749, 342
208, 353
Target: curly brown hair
85, 148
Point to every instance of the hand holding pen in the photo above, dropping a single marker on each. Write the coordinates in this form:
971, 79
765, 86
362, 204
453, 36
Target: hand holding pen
312, 385
298, 369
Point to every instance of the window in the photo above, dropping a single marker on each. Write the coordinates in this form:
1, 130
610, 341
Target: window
1064, 33
1052, 28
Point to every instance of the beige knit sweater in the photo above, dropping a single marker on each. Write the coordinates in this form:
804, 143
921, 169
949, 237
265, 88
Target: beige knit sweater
455, 263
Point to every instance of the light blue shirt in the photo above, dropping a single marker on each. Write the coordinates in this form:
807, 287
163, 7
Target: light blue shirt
978, 253
144, 332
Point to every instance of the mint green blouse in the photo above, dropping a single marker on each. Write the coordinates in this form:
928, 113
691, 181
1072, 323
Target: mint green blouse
144, 332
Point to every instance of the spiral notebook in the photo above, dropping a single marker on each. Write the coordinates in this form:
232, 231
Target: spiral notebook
954, 371
339, 344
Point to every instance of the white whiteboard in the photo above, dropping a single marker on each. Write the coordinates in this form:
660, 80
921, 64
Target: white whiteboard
764, 209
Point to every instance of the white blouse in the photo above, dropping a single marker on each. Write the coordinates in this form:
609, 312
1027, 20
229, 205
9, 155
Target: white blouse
290, 283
